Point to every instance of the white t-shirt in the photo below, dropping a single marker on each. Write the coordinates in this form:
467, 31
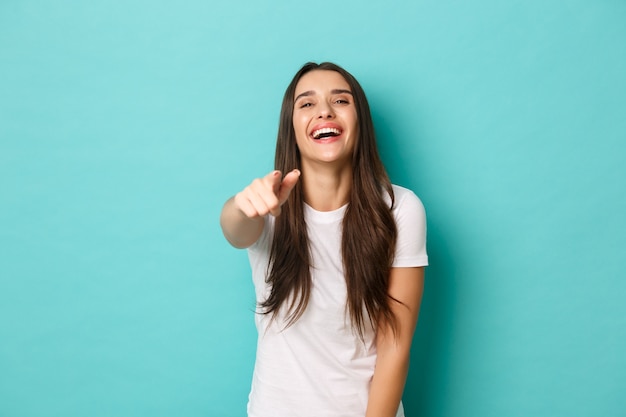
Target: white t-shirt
319, 366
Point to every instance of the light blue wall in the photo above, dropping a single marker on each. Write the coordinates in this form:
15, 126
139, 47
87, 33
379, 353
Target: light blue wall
125, 125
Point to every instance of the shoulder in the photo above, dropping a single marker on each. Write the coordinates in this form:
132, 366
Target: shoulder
406, 200
400, 192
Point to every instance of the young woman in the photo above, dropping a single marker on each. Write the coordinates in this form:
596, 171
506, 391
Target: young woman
337, 255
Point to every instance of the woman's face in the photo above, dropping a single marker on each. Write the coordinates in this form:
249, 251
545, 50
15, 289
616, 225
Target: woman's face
324, 118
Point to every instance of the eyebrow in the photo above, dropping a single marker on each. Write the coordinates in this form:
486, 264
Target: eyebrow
335, 91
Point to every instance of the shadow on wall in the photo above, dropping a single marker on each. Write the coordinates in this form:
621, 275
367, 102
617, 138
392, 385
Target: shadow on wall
428, 378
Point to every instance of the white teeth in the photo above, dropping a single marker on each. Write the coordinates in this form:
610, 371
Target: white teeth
320, 132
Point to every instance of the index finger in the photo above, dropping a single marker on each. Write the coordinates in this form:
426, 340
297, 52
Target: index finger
273, 179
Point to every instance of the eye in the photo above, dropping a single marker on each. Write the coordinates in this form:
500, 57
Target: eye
342, 101
305, 105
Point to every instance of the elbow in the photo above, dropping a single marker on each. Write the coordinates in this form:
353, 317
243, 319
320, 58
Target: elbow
237, 243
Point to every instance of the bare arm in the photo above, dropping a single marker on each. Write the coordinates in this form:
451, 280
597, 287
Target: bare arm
392, 363
242, 215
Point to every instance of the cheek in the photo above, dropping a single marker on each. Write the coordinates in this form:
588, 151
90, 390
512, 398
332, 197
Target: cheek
300, 127
298, 134
355, 120
299, 121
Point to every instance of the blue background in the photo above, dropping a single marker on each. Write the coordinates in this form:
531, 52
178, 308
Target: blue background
124, 126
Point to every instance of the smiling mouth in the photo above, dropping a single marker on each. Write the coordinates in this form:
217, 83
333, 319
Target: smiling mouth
326, 132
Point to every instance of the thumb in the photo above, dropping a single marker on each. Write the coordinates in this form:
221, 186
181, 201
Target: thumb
290, 181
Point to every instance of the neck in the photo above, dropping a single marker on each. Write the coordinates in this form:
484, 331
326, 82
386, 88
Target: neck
326, 188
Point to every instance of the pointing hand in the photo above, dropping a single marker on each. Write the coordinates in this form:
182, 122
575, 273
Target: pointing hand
267, 194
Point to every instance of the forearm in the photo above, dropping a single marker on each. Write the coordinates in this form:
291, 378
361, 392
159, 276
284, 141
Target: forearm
393, 348
240, 230
388, 383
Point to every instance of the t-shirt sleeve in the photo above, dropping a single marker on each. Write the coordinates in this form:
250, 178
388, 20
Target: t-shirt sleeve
411, 223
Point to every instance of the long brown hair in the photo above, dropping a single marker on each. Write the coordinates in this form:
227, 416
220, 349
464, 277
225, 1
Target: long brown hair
369, 229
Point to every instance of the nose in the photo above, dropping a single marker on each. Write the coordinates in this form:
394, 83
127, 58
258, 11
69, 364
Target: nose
325, 111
